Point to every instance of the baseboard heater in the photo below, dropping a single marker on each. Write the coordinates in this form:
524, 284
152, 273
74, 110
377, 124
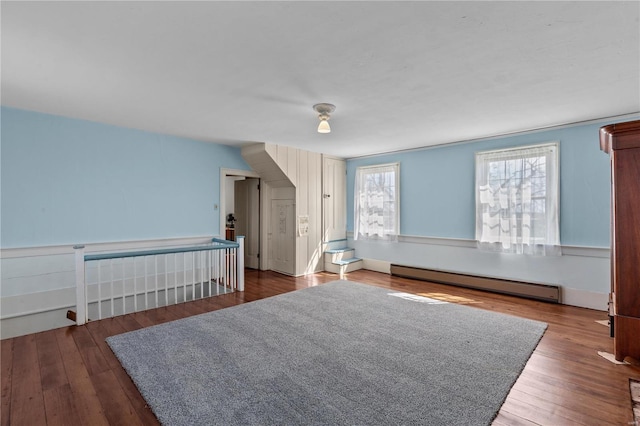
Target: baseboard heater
545, 292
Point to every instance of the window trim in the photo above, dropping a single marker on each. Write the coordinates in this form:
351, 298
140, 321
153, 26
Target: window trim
356, 218
552, 169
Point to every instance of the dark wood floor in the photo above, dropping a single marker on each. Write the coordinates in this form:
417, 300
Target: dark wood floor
69, 376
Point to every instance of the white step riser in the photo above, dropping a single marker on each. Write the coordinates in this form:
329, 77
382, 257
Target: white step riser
337, 269
335, 257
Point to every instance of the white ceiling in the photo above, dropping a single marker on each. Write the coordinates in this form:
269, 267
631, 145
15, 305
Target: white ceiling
401, 74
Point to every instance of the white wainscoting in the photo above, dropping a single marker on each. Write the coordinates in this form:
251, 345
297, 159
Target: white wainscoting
38, 283
583, 273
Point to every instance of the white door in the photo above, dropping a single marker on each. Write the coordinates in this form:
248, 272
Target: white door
334, 199
282, 236
247, 213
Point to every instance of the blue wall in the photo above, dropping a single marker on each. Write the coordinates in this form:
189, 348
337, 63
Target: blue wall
67, 181
437, 196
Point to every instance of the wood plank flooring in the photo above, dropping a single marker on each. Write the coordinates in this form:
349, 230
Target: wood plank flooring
70, 376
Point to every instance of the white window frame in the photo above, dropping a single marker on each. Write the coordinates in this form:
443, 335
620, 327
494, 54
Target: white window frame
361, 230
501, 208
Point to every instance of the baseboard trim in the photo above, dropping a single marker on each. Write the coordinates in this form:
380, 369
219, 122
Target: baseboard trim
37, 311
34, 323
37, 303
377, 265
585, 299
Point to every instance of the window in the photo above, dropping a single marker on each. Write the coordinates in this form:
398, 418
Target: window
517, 200
377, 202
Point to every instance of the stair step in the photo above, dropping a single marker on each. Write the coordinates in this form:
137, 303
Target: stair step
334, 244
337, 255
346, 261
339, 250
341, 260
343, 266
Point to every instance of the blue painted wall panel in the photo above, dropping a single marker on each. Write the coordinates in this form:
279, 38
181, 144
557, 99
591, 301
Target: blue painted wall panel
437, 185
67, 181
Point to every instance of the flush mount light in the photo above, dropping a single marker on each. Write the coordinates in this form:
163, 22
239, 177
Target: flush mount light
323, 111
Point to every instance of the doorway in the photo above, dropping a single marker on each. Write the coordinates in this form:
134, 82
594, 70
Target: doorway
247, 216
240, 198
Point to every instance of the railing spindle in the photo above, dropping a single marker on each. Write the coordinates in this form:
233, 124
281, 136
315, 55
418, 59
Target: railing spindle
201, 280
193, 275
219, 257
166, 281
208, 266
113, 312
124, 291
184, 277
81, 285
175, 277
229, 269
232, 270
240, 263
155, 273
146, 287
135, 286
99, 289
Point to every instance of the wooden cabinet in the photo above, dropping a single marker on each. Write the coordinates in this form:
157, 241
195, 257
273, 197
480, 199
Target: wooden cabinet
622, 142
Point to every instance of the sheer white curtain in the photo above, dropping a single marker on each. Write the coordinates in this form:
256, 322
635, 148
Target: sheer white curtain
377, 202
517, 200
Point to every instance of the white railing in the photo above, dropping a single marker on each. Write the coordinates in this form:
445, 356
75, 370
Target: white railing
118, 283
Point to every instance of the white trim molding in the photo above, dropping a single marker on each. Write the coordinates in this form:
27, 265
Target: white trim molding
9, 253
377, 265
585, 251
35, 312
603, 252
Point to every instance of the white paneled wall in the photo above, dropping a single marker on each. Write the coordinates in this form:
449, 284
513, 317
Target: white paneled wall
309, 204
282, 167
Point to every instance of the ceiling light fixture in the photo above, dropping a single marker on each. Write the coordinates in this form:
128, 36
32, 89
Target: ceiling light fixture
323, 111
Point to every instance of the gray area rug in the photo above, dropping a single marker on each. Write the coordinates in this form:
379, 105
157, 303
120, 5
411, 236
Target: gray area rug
342, 353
